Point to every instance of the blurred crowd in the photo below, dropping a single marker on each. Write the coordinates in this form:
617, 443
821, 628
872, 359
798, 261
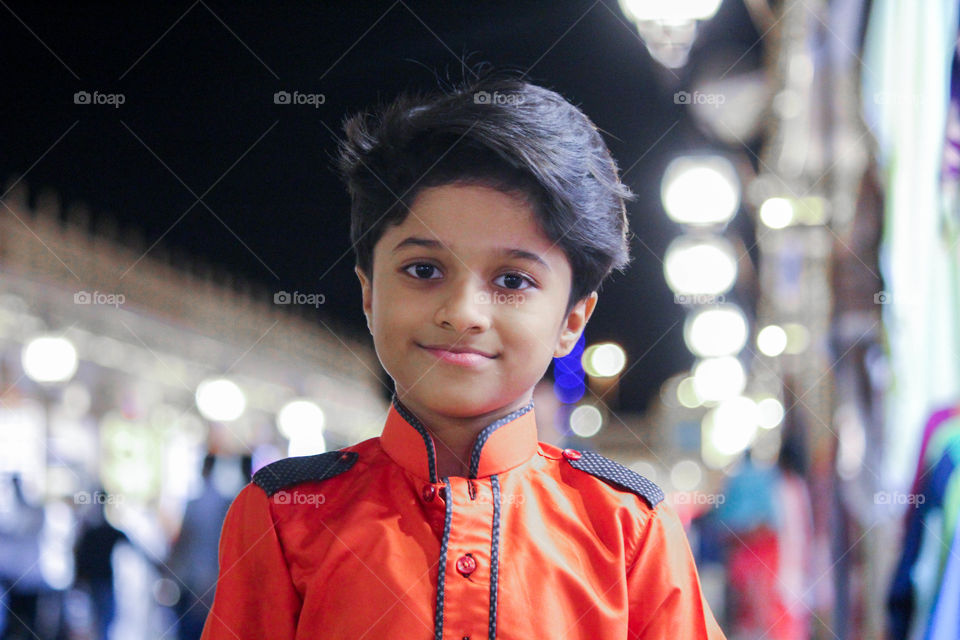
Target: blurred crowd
67, 572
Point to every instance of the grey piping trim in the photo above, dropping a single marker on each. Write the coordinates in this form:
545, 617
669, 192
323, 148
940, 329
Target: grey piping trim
487, 432
288, 472
427, 439
616, 474
494, 558
441, 575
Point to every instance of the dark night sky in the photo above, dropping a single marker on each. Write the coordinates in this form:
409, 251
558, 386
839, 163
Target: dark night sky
199, 120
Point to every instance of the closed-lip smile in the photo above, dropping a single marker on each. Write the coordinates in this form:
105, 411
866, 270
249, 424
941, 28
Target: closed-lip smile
457, 349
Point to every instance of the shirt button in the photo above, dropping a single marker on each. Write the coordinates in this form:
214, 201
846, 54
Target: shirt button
572, 454
466, 564
428, 492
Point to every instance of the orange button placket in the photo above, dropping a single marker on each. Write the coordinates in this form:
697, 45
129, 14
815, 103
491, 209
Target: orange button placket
467, 589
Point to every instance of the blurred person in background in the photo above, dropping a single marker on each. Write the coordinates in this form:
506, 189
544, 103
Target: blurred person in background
21, 581
768, 525
94, 566
193, 558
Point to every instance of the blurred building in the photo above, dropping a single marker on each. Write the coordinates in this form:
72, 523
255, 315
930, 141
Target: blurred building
120, 371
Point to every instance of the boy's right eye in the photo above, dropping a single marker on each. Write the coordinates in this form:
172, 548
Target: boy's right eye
422, 271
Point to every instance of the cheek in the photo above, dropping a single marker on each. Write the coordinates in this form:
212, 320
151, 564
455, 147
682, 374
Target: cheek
394, 319
532, 339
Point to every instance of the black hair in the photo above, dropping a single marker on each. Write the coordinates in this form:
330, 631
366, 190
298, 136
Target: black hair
498, 131
209, 461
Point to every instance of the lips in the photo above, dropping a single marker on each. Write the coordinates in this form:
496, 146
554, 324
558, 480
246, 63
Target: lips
459, 355
457, 349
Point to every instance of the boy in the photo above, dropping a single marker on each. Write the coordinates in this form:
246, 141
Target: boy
483, 222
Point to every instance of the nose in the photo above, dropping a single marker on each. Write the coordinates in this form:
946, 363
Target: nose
464, 307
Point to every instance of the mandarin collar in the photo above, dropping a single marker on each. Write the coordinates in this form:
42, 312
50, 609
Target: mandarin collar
502, 445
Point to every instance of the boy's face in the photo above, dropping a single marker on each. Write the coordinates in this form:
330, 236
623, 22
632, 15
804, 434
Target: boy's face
462, 273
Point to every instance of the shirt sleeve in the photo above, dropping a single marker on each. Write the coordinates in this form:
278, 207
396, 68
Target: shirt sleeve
666, 600
255, 595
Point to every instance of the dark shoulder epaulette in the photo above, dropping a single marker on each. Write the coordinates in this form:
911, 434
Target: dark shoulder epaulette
290, 471
617, 475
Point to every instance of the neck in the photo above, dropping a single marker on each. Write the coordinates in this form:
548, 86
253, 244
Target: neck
454, 437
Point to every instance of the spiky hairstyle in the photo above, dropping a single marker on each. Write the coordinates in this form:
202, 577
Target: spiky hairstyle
497, 131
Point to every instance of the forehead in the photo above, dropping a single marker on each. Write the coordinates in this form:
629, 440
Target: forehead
473, 217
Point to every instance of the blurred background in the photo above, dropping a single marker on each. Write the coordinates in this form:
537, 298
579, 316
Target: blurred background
178, 306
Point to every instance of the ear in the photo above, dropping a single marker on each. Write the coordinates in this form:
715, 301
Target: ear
574, 324
366, 291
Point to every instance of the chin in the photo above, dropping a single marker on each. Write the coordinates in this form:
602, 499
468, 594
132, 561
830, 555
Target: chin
466, 404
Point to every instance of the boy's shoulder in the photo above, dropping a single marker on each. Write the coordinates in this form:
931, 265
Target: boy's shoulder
609, 471
288, 472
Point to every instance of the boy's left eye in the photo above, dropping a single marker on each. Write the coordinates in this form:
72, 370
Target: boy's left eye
423, 271
513, 281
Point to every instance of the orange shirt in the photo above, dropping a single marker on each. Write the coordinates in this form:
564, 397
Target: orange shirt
367, 542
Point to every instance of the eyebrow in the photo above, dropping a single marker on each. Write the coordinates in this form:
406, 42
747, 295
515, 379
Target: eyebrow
429, 243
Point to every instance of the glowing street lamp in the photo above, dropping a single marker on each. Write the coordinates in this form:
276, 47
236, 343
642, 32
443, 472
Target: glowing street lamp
604, 360
718, 379
772, 340
700, 266
771, 412
716, 331
586, 421
700, 191
732, 425
669, 28
220, 400
776, 213
301, 422
49, 359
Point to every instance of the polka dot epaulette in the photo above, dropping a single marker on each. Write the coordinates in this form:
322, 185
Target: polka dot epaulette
616, 474
290, 471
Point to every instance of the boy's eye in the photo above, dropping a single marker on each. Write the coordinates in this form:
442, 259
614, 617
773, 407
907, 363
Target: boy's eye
513, 281
423, 271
